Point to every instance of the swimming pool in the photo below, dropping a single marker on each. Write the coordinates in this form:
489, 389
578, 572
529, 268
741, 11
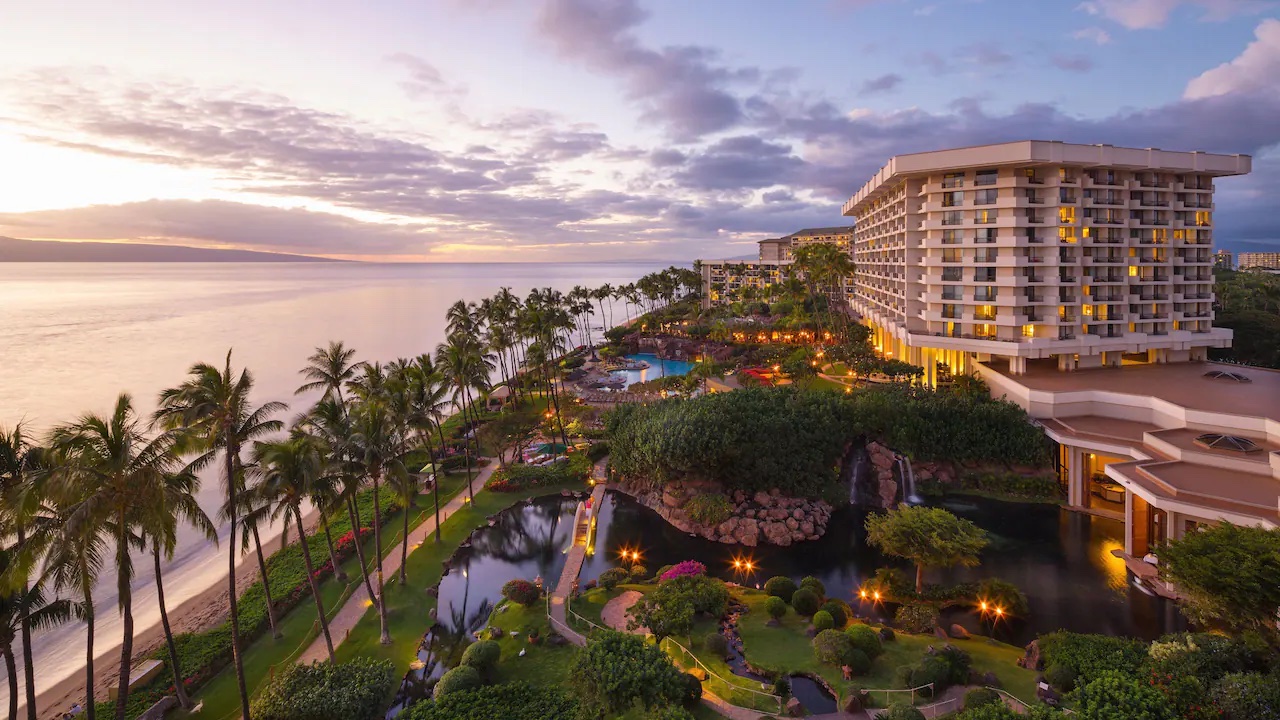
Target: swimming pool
657, 368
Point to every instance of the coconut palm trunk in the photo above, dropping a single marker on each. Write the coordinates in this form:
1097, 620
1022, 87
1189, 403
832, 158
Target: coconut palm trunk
328, 541
233, 451
404, 544
179, 689
125, 589
435, 489
11, 668
385, 639
28, 666
315, 589
266, 581
354, 514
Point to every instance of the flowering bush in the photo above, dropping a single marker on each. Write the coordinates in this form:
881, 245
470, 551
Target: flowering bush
521, 591
687, 567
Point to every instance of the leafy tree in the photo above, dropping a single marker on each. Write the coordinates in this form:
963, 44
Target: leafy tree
916, 617
780, 587
837, 610
833, 647
609, 579
929, 537
978, 697
521, 591
901, 711
1228, 573
1088, 656
26, 606
617, 672
1113, 696
812, 583
776, 607
509, 701
1251, 696
669, 609
1004, 595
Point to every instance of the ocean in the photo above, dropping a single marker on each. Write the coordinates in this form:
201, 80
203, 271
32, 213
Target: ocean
73, 336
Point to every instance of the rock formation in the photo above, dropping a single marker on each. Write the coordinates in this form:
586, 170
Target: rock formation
764, 517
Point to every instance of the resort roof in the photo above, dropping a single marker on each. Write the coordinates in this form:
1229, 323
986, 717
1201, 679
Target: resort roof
810, 232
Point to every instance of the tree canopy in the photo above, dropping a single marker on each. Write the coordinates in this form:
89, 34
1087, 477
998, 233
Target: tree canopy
616, 672
1229, 575
928, 537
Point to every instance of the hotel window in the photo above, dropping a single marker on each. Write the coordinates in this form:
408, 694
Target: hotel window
984, 293
1066, 195
1133, 271
984, 330
953, 180
986, 177
1067, 234
1066, 175
1179, 234
984, 275
1202, 218
1066, 215
953, 199
951, 237
951, 274
952, 292
951, 256
984, 216
985, 235
1028, 331
984, 312
1033, 176
952, 217
985, 197
950, 311
1084, 232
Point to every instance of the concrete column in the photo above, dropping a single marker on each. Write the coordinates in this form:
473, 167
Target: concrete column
1076, 492
1128, 522
1066, 363
1173, 526
1017, 365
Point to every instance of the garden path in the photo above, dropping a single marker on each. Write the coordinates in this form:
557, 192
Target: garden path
614, 613
359, 603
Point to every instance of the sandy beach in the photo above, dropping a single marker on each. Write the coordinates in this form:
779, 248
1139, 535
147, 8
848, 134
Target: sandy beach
206, 610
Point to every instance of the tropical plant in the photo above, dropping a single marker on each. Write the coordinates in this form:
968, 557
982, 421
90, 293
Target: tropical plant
1114, 696
354, 690
510, 701
521, 591
213, 414
833, 647
929, 537
23, 604
805, 601
1244, 599
616, 672
609, 579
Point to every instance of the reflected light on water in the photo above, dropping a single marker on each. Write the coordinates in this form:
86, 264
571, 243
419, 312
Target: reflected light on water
1113, 567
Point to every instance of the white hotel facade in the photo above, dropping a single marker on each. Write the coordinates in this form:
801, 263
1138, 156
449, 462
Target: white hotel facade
1077, 281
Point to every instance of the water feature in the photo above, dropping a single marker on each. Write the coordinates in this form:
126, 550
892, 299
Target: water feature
657, 368
813, 696
856, 465
906, 479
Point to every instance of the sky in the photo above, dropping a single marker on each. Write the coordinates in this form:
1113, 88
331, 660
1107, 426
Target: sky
553, 130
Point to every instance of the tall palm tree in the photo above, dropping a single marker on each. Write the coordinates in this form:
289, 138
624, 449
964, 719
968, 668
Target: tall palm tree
430, 402
253, 513
213, 411
602, 293
119, 471
287, 471
175, 502
20, 460
23, 604
464, 363
374, 450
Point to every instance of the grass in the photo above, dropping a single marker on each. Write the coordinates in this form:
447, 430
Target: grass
590, 604
786, 649
542, 664
300, 627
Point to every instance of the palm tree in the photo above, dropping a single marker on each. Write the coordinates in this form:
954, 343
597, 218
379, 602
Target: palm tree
288, 470
214, 414
119, 472
601, 294
19, 461
328, 370
175, 502
429, 402
252, 513
466, 366
25, 607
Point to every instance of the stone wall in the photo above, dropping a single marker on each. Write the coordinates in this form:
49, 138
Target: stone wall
763, 518
162, 706
883, 486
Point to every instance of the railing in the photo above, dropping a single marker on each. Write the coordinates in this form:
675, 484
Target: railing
888, 694
733, 693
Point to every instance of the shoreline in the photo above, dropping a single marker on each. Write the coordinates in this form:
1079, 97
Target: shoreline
206, 609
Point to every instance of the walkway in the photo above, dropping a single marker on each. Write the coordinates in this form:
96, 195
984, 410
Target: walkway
573, 566
359, 603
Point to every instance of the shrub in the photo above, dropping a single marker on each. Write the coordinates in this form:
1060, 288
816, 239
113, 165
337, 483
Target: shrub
609, 579
958, 663
814, 584
776, 607
1004, 595
916, 618
838, 612
833, 647
822, 621
1202, 655
715, 644
858, 662
1091, 655
781, 587
353, 690
930, 670
1240, 696
709, 509
692, 690
669, 609
978, 697
616, 671
1010, 484
901, 711
463, 677
522, 592
509, 701
805, 601
597, 451
686, 567
639, 573
1111, 695
671, 712
483, 656
1061, 676
520, 477
866, 640
661, 571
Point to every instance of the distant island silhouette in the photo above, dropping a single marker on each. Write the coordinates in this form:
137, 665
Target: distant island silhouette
15, 250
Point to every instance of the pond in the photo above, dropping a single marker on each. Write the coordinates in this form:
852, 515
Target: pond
657, 368
1060, 559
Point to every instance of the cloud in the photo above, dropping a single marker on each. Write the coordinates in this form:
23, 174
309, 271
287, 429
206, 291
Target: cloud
740, 162
425, 80
1147, 14
924, 11
681, 87
1072, 63
884, 83
984, 56
1093, 34
1255, 69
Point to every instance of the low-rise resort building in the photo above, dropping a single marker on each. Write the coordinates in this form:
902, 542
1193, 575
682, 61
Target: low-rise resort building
1076, 281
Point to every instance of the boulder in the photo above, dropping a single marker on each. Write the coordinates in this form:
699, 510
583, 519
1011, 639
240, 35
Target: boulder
727, 527
671, 498
776, 533
749, 513
882, 462
775, 492
778, 514
798, 514
888, 491
806, 527
739, 497
762, 499
797, 536
1031, 658
958, 632
794, 708
747, 532
792, 524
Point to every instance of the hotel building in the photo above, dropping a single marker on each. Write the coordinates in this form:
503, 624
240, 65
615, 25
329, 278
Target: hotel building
1264, 260
1077, 281
724, 280
1224, 260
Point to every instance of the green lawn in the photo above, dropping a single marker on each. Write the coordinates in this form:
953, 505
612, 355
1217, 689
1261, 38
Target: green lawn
591, 602
786, 649
266, 655
542, 664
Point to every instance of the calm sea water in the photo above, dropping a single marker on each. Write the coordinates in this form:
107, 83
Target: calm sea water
76, 335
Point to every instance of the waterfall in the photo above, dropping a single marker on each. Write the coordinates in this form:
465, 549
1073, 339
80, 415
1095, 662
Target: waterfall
907, 476
856, 464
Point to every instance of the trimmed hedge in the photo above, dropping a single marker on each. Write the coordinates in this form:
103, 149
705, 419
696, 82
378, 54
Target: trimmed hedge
1014, 485
780, 586
354, 691
463, 677
509, 701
